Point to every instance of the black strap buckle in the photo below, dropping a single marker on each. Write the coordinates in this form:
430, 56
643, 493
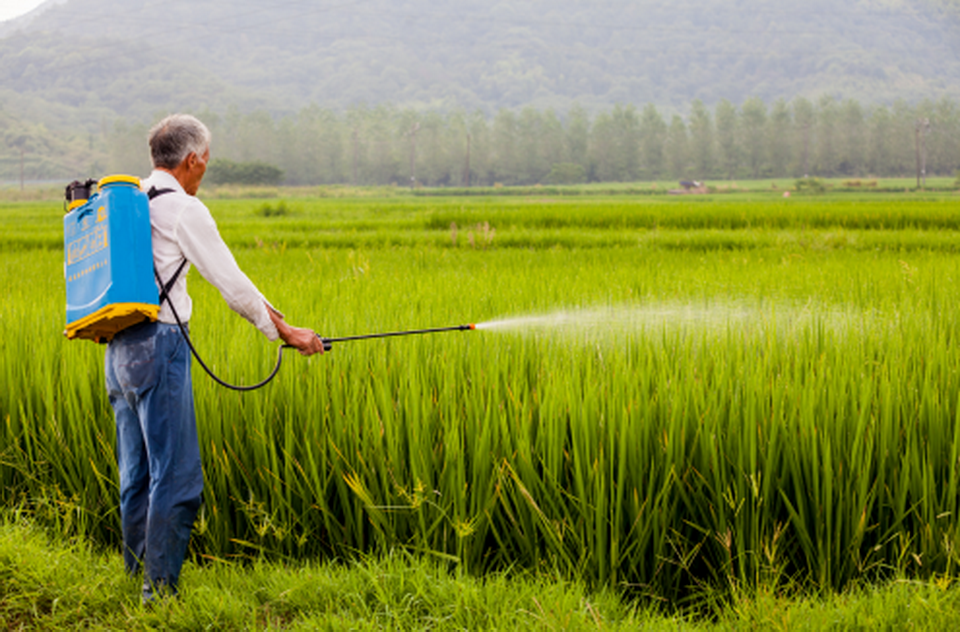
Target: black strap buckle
155, 192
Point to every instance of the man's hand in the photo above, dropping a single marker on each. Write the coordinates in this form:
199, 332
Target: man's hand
304, 340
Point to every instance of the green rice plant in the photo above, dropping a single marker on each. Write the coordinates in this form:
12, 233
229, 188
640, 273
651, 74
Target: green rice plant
697, 419
699, 224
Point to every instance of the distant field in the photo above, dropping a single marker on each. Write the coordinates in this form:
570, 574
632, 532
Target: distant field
777, 186
670, 394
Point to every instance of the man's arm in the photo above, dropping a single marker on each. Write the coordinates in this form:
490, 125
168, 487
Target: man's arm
304, 340
200, 242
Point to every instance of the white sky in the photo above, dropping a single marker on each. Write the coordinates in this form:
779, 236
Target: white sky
13, 8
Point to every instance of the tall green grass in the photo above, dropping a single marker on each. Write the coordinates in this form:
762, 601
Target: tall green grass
777, 414
51, 583
862, 222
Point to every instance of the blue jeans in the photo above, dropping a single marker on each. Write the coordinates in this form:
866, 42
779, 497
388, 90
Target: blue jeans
148, 380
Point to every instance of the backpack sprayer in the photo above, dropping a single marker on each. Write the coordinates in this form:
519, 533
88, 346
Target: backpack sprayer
108, 266
108, 258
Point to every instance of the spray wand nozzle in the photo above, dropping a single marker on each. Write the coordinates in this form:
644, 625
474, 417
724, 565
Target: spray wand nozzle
328, 342
327, 345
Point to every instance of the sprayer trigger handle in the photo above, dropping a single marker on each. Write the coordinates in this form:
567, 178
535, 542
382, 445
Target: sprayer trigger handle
327, 345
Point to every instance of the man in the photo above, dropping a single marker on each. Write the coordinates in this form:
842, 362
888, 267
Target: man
148, 366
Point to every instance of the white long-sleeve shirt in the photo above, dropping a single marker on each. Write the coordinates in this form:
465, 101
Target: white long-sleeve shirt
182, 227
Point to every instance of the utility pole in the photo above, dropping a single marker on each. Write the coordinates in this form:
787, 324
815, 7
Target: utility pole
413, 151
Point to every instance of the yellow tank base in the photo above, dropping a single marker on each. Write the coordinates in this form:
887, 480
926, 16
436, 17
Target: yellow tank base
102, 325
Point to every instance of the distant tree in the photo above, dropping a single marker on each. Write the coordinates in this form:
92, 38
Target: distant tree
652, 136
481, 152
21, 143
629, 130
290, 158
227, 142
701, 140
324, 141
455, 138
223, 171
577, 137
355, 123
804, 123
434, 156
257, 138
406, 126
943, 143
567, 173
373, 146
879, 159
779, 134
505, 158
902, 138
532, 165
827, 161
614, 147
603, 143
128, 148
852, 135
753, 118
727, 138
552, 145
387, 147
677, 148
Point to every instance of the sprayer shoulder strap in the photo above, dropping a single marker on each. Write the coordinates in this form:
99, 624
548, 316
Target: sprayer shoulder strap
166, 287
154, 192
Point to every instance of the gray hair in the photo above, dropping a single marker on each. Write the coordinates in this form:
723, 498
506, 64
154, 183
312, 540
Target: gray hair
176, 137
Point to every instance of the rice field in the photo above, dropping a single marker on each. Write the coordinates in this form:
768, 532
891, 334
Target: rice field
666, 397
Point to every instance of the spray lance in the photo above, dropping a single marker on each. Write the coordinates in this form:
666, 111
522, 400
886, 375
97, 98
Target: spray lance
327, 345
328, 342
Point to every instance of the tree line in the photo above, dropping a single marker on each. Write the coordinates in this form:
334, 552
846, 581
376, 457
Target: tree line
385, 145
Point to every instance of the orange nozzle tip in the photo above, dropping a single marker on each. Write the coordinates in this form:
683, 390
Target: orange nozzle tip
472, 326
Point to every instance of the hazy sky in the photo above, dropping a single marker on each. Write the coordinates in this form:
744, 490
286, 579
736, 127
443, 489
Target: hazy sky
13, 8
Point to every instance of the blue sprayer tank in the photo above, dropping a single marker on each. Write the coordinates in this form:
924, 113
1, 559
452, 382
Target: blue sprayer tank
108, 261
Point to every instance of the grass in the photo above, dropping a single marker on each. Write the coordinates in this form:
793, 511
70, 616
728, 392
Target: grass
767, 186
47, 583
762, 404
864, 222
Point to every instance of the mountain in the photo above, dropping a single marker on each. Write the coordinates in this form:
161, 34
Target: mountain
85, 63
81, 80
20, 22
